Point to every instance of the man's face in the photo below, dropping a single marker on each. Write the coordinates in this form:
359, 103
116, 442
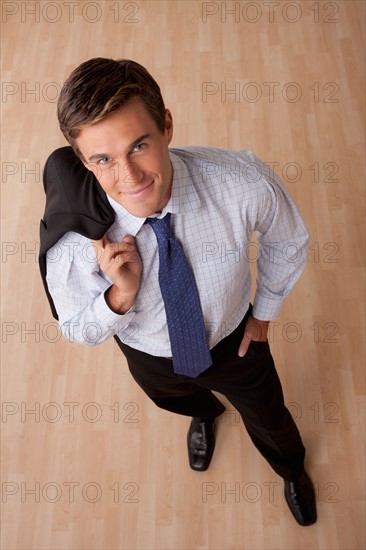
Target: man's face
129, 156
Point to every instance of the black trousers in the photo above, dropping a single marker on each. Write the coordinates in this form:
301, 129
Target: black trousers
250, 383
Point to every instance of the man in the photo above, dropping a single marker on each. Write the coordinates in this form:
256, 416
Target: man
151, 246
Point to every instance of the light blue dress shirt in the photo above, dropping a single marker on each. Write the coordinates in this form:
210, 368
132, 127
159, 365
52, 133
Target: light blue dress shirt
220, 199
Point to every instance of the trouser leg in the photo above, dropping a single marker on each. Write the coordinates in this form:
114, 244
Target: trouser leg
168, 390
253, 387
250, 383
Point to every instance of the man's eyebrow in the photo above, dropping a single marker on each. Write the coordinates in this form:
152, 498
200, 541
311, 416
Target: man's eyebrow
98, 156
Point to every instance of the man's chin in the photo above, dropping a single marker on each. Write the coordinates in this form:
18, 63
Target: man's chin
143, 207
142, 210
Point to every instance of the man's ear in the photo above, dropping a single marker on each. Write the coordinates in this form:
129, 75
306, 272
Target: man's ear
168, 125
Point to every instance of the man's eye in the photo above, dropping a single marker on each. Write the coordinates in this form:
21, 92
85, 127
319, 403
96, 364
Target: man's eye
139, 147
104, 161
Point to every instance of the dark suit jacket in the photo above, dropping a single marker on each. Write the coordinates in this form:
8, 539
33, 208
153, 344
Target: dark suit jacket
74, 202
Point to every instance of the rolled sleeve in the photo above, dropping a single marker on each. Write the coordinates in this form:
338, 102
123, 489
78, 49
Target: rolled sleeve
78, 290
98, 323
283, 243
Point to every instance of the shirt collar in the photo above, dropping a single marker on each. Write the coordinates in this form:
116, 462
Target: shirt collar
184, 198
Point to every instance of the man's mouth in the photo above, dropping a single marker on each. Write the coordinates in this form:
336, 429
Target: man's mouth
139, 192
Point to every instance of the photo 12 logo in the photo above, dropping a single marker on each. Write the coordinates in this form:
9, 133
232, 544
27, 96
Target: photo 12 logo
69, 411
270, 92
253, 492
71, 12
270, 12
69, 492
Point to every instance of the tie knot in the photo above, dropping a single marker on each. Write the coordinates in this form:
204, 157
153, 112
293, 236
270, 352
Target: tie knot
161, 226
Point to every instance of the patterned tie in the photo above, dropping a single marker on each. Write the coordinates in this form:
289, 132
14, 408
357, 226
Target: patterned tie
191, 354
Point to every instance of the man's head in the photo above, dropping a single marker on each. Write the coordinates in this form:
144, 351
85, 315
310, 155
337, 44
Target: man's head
113, 115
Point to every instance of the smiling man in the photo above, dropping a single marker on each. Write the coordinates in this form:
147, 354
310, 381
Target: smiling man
134, 171
149, 245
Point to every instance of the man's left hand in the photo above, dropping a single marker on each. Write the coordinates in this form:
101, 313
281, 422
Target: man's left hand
254, 330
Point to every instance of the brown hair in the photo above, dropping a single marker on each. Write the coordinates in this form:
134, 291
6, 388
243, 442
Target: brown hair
100, 86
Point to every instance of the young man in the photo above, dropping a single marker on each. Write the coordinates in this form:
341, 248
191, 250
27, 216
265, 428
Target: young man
151, 246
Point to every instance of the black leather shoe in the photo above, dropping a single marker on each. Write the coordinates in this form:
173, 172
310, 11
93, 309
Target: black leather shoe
201, 443
300, 497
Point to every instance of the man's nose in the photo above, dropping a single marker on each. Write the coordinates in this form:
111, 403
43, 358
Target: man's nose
130, 172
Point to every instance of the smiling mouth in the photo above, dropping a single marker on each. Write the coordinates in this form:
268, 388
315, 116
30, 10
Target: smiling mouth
139, 193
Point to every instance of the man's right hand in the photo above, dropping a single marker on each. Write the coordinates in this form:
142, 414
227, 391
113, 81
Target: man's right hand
122, 263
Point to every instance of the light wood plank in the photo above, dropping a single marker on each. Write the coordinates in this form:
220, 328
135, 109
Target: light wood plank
132, 460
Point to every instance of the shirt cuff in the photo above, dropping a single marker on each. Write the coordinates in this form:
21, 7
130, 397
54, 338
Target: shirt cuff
116, 323
266, 309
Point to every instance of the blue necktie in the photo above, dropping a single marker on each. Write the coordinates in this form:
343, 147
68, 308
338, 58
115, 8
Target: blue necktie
188, 339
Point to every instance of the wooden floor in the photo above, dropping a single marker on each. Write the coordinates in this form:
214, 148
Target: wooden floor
88, 462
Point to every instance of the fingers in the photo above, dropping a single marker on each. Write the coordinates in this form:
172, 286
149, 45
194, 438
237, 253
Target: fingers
99, 246
107, 250
243, 348
101, 242
128, 239
115, 255
255, 330
121, 262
